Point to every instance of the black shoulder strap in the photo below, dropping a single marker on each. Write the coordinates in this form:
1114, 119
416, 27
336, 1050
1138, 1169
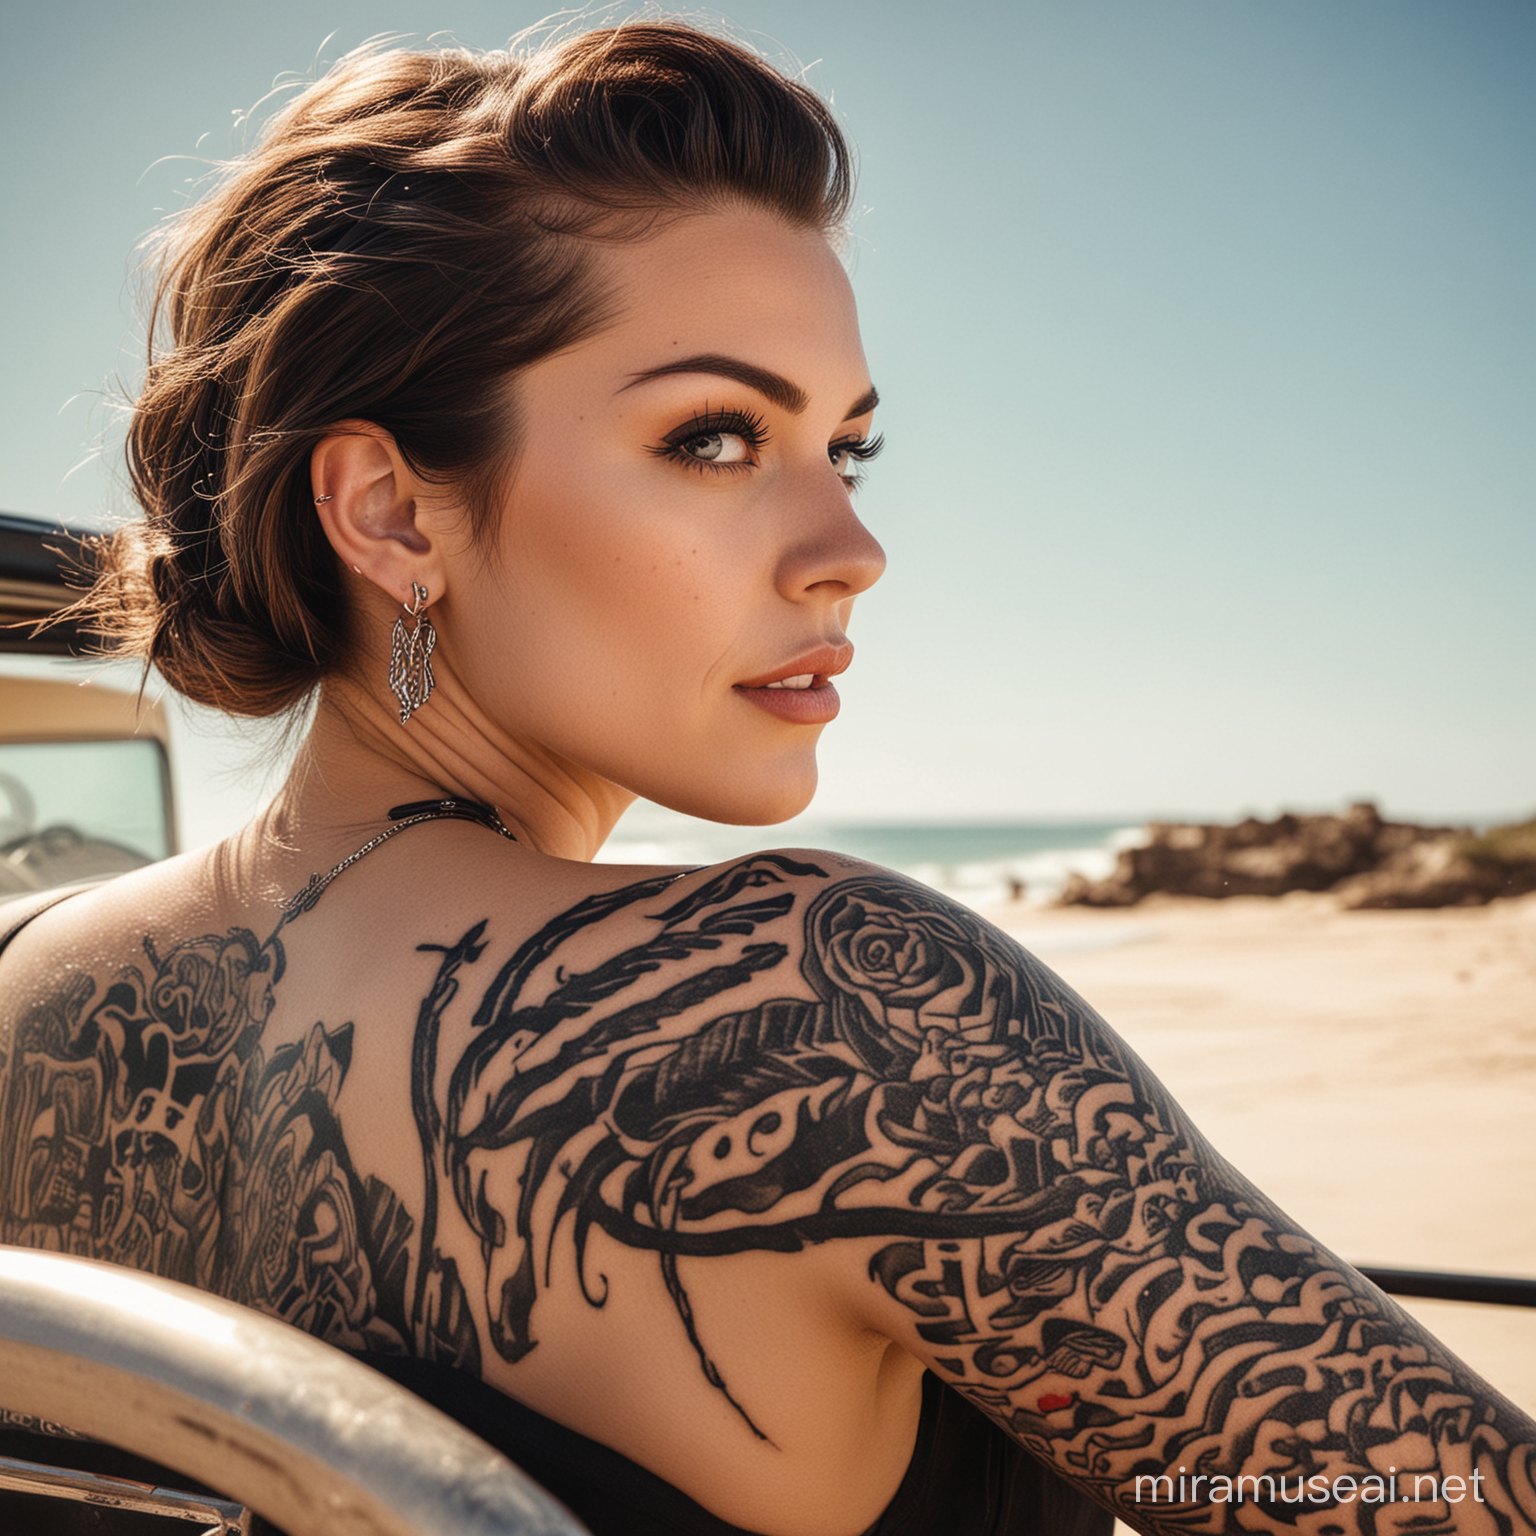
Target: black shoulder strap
17, 913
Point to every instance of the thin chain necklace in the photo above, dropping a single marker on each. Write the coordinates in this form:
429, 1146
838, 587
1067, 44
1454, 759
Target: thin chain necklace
449, 808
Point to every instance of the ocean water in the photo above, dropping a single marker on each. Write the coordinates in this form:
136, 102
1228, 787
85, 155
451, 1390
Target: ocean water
978, 863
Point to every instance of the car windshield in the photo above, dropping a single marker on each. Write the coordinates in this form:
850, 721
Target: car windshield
71, 810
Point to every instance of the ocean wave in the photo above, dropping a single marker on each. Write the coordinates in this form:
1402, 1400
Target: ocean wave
981, 865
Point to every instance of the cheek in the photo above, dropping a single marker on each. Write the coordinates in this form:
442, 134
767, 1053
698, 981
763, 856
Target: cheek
610, 585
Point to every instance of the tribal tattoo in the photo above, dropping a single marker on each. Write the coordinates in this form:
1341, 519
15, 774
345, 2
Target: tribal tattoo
1048, 1232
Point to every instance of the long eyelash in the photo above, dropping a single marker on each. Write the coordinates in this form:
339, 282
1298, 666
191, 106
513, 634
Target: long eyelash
865, 449
750, 428
861, 451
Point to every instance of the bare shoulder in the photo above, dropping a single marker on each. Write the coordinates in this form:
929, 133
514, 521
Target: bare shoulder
786, 1049
856, 1056
1025, 1208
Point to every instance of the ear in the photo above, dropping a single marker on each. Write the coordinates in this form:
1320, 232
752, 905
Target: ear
370, 504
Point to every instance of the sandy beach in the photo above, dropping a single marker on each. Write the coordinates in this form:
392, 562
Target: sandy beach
1374, 1072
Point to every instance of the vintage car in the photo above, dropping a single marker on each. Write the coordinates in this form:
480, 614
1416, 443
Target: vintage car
85, 783
132, 1406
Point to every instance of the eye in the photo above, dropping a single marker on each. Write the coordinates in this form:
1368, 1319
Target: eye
717, 448
716, 441
847, 456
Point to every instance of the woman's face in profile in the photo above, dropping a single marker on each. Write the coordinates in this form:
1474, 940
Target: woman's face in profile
679, 530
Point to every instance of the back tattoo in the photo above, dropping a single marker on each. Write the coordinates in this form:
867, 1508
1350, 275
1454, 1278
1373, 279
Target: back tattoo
1067, 1252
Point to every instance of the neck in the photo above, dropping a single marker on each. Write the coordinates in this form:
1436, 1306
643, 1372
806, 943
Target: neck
358, 761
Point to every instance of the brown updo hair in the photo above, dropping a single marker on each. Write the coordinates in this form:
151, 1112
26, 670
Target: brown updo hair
407, 234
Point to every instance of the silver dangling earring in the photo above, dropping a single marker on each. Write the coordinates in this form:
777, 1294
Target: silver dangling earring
410, 653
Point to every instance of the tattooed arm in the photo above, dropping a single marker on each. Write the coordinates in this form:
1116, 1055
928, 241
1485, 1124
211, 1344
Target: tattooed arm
1048, 1233
1080, 1264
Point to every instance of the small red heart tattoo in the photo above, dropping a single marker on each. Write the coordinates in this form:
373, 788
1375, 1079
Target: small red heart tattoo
1052, 1401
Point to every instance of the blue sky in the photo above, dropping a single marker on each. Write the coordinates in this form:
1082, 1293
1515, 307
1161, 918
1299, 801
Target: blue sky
1205, 332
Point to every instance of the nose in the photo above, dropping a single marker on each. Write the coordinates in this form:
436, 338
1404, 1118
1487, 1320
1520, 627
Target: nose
830, 551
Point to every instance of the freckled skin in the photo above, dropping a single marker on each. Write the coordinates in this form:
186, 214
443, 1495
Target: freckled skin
701, 579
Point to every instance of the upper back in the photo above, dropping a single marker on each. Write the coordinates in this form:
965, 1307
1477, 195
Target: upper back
174, 1056
463, 1114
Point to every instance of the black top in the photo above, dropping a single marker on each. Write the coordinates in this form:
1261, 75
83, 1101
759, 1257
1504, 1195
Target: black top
967, 1477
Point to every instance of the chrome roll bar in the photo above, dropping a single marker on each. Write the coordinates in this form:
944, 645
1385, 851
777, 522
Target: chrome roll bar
308, 1437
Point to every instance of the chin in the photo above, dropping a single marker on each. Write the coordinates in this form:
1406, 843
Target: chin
745, 799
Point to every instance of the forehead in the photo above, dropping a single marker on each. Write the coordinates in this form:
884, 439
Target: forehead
742, 283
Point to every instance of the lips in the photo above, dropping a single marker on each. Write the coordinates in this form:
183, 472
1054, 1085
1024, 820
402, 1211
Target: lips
800, 691
825, 662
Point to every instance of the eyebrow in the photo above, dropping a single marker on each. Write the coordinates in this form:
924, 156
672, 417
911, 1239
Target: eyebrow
772, 386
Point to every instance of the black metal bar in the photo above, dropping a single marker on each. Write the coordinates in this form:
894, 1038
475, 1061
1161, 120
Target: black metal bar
30, 550
1495, 1290
41, 569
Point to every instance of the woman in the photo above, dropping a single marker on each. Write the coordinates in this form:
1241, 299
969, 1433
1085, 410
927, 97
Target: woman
512, 410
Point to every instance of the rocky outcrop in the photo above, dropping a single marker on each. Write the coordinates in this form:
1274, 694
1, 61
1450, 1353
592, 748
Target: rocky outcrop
1457, 871
1367, 861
